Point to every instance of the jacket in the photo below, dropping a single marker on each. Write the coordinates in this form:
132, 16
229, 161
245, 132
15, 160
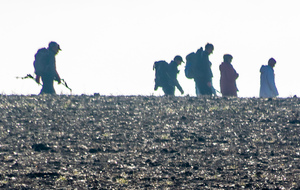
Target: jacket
203, 69
228, 79
267, 82
51, 66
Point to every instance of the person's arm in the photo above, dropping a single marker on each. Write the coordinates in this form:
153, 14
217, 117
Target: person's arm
206, 70
232, 74
37, 79
57, 77
174, 81
179, 87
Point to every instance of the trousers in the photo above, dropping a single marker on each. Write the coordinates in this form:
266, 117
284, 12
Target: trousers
47, 85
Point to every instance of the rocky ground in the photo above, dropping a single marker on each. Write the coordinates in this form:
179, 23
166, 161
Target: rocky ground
137, 142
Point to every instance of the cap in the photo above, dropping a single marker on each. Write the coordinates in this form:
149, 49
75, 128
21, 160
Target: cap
52, 44
178, 57
271, 60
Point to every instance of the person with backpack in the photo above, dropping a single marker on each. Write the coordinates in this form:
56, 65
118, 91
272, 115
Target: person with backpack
166, 75
228, 77
45, 67
267, 80
202, 73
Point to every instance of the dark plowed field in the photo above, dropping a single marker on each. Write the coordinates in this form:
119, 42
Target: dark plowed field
105, 142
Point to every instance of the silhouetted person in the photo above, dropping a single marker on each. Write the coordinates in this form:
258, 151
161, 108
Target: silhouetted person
228, 77
47, 69
267, 80
203, 74
172, 82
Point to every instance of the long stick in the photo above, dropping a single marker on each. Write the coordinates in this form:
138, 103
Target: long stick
29, 76
63, 82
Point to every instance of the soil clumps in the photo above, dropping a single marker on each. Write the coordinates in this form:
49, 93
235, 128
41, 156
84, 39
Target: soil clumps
138, 142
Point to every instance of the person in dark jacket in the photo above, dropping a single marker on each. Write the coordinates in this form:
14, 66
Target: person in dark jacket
172, 82
228, 77
203, 76
51, 74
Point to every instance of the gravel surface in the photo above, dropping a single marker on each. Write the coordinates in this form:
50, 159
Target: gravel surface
147, 142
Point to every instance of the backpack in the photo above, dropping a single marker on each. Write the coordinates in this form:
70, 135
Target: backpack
41, 61
161, 73
190, 65
193, 65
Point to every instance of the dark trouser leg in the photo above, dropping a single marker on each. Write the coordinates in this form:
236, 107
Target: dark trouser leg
47, 85
169, 90
203, 87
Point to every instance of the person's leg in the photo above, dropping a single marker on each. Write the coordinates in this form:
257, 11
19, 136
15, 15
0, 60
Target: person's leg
47, 85
169, 90
203, 87
197, 89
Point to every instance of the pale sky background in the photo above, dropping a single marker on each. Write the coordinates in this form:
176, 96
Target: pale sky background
109, 46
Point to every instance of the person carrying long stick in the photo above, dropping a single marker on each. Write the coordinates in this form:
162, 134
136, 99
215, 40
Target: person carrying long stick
45, 67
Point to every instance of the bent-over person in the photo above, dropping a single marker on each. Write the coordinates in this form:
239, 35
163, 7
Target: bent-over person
45, 67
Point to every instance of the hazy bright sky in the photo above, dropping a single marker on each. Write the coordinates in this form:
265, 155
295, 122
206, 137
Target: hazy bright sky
109, 46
